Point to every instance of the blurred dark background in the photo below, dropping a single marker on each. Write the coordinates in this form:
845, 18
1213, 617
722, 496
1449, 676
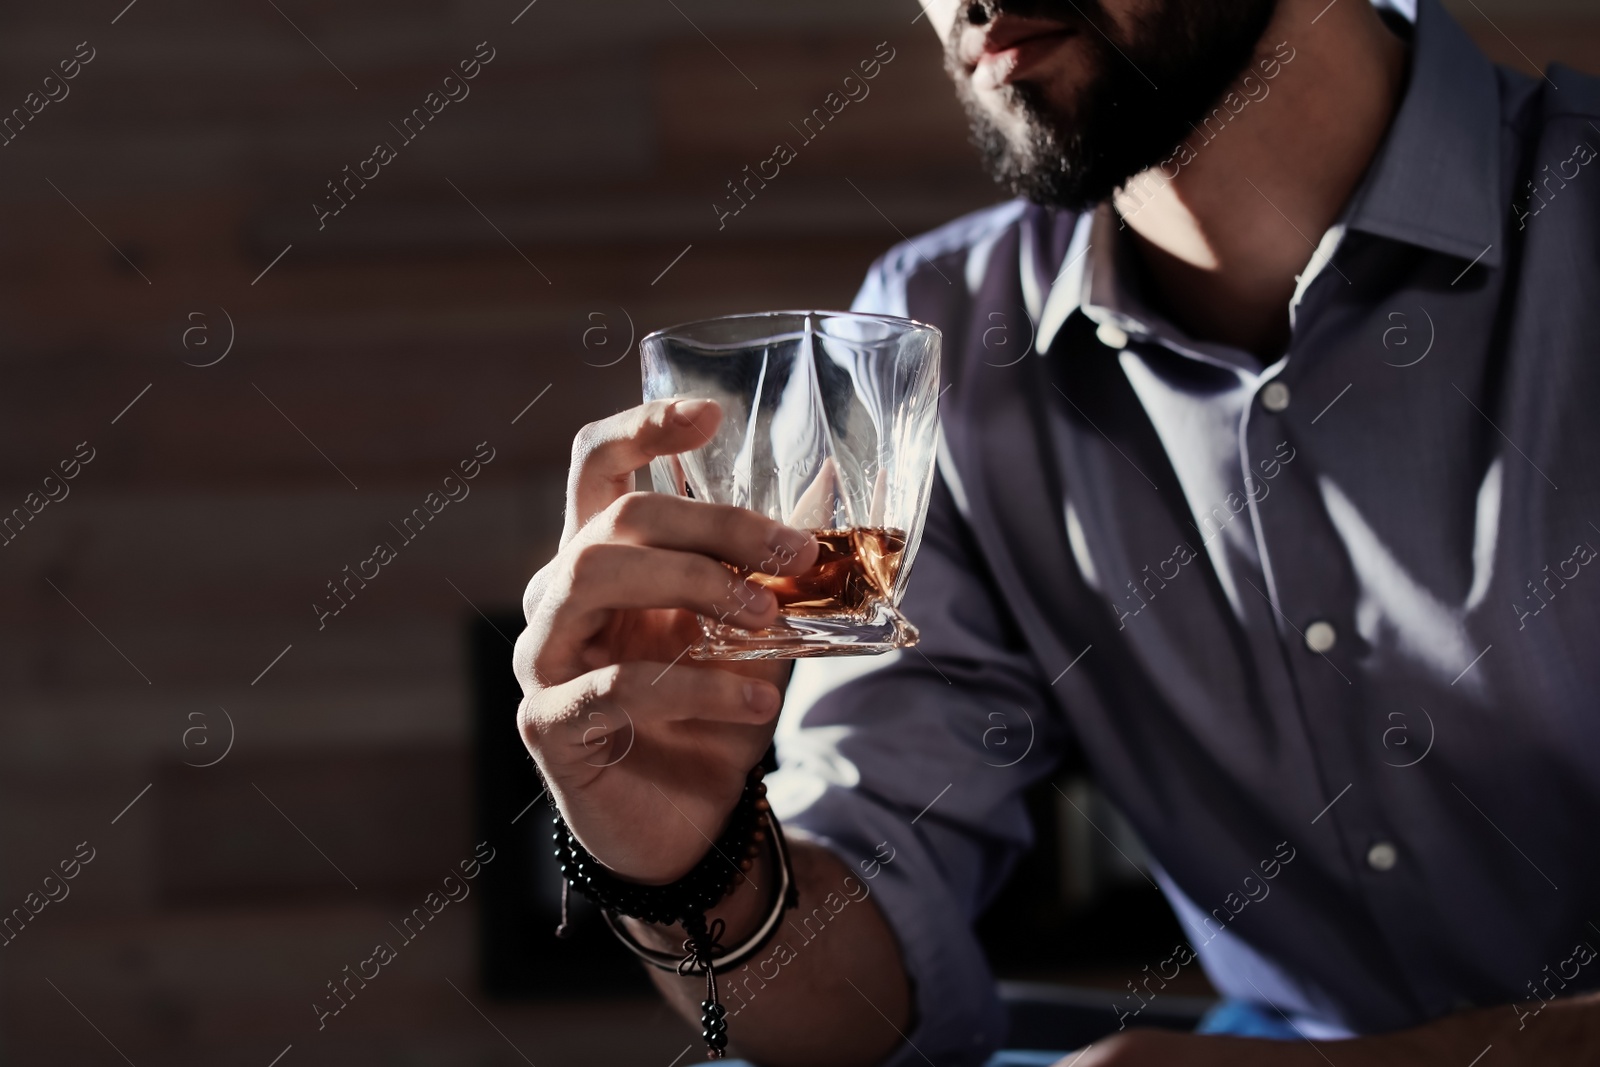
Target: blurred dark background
264, 398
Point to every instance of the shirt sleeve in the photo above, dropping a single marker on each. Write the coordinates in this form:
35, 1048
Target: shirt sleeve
911, 766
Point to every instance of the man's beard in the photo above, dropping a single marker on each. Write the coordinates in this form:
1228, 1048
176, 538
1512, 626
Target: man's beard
1120, 123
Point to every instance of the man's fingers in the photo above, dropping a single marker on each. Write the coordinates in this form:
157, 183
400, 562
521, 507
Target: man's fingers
603, 576
734, 535
598, 578
591, 719
606, 454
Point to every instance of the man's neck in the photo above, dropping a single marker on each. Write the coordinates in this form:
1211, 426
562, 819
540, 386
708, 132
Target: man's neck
1226, 225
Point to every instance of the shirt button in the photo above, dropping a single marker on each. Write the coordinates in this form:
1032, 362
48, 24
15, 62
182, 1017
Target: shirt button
1321, 636
1275, 397
1111, 335
1382, 856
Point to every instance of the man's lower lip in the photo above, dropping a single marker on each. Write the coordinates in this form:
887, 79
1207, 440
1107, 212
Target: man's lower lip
1010, 64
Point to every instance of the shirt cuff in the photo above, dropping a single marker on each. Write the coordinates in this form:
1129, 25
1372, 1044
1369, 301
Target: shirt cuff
959, 1018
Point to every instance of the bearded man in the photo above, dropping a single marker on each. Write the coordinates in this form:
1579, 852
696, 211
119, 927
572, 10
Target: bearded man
1270, 430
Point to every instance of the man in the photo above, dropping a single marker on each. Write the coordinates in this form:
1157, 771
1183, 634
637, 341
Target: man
1268, 478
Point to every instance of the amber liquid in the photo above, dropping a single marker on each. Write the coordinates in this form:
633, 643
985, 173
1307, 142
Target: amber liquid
854, 568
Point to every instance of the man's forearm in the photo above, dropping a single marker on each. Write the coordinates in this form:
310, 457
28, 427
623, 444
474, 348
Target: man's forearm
1555, 1034
1563, 1033
829, 987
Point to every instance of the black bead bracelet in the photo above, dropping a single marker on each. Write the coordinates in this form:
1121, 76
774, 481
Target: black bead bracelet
750, 827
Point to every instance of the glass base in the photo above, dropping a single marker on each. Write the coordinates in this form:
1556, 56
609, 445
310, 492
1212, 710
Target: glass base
880, 629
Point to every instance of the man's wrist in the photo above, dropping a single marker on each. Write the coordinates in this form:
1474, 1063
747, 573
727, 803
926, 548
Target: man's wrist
741, 910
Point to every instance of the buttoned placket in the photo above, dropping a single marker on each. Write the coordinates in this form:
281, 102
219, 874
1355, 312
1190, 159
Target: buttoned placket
1314, 600
1309, 633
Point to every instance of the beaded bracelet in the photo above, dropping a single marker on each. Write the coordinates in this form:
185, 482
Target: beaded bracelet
688, 899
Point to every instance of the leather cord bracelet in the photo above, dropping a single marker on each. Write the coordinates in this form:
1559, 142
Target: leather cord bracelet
686, 901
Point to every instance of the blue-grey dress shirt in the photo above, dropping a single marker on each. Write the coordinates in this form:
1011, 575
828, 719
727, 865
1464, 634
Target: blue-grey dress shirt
1326, 630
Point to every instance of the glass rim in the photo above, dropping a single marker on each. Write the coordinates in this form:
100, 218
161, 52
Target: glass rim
681, 330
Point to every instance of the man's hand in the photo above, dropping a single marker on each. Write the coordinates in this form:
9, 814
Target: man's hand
646, 750
1564, 1033
1165, 1048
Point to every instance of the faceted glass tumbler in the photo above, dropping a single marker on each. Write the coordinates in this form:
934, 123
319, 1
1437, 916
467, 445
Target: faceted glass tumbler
829, 424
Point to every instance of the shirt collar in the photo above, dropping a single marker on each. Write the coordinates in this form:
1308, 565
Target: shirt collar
1435, 181
1099, 278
